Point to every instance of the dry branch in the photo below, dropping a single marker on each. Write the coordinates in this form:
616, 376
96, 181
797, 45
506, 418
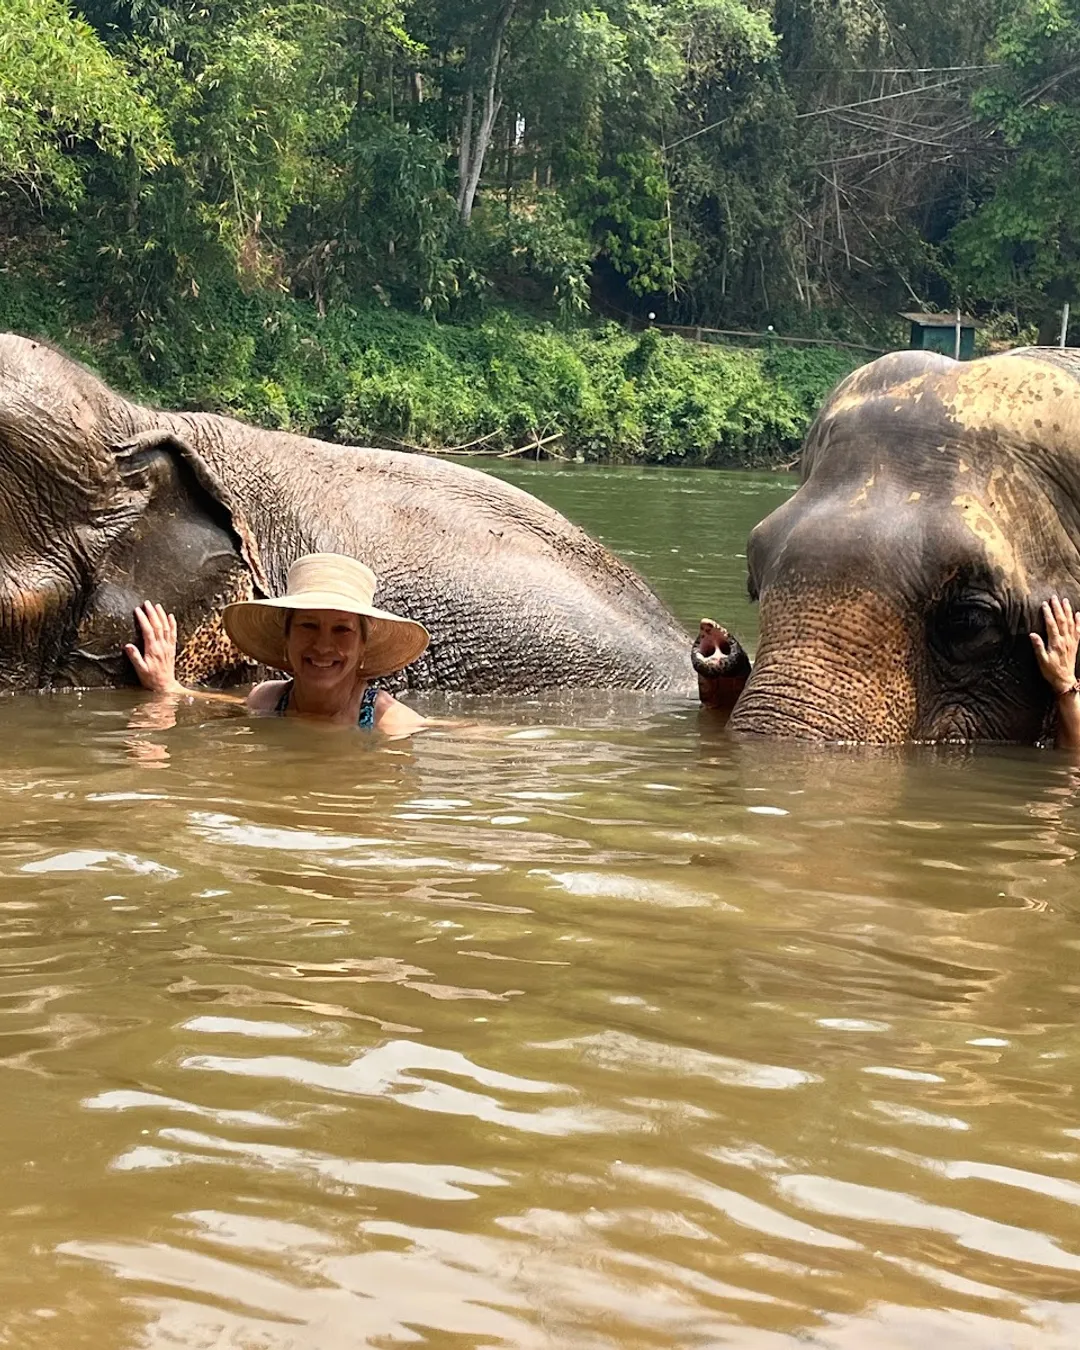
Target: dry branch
467, 449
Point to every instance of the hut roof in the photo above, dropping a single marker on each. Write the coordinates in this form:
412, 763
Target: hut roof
940, 320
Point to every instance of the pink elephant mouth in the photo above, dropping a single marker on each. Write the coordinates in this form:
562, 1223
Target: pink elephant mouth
721, 665
716, 653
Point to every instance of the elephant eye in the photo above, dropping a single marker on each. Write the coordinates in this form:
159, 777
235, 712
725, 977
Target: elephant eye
971, 629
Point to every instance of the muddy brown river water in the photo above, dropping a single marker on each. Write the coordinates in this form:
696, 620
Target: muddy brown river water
580, 1026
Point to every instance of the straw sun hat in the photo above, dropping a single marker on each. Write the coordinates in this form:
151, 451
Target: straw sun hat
326, 581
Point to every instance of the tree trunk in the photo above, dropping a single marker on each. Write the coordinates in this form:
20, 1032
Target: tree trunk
509, 175
465, 148
478, 147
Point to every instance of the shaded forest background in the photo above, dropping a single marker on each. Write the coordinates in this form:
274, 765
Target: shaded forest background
431, 223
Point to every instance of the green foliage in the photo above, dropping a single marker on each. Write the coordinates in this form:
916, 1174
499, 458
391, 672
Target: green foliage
626, 210
609, 394
63, 96
670, 400
235, 202
402, 220
386, 377
535, 237
1020, 241
802, 373
319, 149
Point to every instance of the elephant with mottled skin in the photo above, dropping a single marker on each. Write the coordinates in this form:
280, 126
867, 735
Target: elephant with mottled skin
938, 510
105, 503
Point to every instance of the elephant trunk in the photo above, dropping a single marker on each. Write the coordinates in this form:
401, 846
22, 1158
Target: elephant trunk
830, 668
721, 665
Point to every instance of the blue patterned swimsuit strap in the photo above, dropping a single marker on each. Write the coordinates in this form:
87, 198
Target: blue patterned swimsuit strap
367, 705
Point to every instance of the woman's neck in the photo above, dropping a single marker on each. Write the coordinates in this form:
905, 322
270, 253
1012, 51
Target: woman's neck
329, 705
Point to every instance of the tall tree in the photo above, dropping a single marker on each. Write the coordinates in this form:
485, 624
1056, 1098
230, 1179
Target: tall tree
1020, 241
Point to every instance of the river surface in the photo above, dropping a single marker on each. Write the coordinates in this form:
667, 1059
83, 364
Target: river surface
579, 1026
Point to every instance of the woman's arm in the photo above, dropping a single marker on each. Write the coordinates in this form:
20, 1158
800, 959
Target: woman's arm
1057, 662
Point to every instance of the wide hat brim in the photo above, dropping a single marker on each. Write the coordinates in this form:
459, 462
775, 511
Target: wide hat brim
257, 627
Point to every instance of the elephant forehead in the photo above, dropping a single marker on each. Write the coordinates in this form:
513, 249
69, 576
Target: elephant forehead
905, 395
903, 542
1023, 407
1021, 394
949, 461
875, 447
991, 535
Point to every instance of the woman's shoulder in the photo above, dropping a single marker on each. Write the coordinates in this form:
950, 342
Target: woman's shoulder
394, 718
264, 697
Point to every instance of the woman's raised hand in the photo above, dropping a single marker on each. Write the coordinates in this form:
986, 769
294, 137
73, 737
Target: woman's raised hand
1057, 655
155, 665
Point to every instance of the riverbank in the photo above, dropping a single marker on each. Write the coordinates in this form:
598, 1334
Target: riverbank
504, 382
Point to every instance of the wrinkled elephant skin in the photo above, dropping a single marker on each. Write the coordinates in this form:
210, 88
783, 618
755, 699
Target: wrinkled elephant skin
104, 503
939, 506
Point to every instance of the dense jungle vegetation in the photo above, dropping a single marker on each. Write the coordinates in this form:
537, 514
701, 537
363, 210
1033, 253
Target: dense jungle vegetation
430, 223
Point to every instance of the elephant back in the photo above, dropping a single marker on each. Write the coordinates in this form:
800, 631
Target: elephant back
1063, 358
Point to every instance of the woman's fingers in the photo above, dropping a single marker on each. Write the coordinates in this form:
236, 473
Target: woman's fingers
1056, 654
155, 664
1066, 620
1062, 623
147, 616
1063, 614
1050, 619
156, 623
136, 658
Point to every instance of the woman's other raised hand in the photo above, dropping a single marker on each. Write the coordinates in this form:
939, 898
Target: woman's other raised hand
155, 665
1057, 655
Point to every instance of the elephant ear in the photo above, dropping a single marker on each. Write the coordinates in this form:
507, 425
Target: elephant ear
167, 530
134, 458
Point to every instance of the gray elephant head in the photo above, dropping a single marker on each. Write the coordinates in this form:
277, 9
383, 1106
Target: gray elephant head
101, 508
939, 506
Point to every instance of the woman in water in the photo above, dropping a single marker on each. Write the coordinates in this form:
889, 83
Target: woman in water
324, 631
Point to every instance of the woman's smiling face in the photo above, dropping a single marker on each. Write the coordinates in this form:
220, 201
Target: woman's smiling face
325, 648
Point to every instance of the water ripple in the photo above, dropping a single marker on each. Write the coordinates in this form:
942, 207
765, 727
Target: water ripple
686, 1072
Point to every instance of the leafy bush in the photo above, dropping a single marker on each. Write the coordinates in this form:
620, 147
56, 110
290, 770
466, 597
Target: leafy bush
386, 377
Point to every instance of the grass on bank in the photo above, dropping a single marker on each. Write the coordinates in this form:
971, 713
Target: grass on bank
386, 377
